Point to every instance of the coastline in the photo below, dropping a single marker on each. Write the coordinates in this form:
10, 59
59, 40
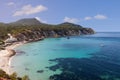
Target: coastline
9, 52
7, 55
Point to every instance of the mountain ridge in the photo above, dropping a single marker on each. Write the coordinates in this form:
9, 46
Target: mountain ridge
26, 21
34, 21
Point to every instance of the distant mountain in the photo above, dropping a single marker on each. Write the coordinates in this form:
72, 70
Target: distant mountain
27, 21
1, 23
70, 24
34, 21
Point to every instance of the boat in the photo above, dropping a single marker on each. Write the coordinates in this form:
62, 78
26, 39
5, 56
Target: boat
102, 45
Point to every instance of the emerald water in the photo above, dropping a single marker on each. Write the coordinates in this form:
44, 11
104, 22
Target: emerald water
35, 58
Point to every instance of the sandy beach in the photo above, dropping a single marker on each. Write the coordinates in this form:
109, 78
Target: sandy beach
6, 56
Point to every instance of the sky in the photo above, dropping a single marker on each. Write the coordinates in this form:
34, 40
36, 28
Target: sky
101, 15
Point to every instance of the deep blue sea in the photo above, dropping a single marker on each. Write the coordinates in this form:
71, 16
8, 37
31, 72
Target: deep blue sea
86, 57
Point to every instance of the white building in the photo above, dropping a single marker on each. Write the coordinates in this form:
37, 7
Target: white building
11, 39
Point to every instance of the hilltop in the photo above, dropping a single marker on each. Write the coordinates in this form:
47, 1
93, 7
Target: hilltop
26, 21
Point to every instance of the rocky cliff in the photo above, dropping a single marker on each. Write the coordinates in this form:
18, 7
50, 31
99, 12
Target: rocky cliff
31, 35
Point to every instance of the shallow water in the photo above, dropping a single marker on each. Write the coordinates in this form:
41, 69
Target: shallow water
103, 48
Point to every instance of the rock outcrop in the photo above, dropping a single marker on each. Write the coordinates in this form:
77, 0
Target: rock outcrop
39, 35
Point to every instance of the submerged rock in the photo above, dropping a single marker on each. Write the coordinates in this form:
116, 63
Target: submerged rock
84, 69
27, 69
40, 71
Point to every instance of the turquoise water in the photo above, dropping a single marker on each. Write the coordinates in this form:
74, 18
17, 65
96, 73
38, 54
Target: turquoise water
35, 56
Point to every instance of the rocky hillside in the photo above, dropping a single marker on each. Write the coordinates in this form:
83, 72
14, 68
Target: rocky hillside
31, 29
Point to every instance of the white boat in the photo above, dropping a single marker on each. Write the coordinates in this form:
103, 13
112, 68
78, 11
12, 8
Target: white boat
102, 45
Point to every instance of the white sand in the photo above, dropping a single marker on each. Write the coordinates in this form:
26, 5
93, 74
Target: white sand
5, 58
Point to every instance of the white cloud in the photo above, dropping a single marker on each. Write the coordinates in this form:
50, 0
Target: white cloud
10, 3
28, 9
88, 18
100, 16
71, 20
39, 19
96, 17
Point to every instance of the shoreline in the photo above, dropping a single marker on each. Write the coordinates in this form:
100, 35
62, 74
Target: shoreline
7, 55
9, 52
